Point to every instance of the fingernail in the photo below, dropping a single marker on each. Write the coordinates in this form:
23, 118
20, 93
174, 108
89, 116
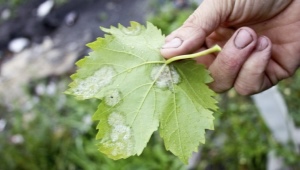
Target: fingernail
242, 39
176, 42
262, 43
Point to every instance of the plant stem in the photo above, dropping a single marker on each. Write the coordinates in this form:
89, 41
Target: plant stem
213, 49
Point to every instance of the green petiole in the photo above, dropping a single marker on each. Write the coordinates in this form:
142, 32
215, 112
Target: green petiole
213, 49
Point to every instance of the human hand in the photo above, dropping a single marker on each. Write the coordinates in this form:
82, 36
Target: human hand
260, 39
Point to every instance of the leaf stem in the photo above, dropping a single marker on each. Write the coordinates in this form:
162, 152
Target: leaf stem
213, 49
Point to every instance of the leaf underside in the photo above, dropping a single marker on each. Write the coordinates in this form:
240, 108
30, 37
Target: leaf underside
140, 94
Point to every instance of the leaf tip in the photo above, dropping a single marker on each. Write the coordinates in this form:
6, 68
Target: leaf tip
104, 29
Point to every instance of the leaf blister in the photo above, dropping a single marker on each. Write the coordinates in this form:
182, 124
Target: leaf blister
112, 97
120, 137
90, 86
165, 76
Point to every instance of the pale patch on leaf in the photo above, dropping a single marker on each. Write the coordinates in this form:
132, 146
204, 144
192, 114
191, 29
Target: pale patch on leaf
141, 92
120, 143
165, 76
112, 97
88, 87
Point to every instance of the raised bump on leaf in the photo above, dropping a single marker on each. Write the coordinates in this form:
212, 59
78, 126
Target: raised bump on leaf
112, 97
165, 76
120, 143
91, 85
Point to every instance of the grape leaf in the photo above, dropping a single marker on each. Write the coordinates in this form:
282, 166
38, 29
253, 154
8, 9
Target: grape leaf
141, 93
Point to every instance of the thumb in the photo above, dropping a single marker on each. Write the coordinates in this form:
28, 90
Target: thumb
191, 35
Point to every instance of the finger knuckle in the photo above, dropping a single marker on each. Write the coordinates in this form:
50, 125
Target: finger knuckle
219, 87
194, 25
192, 20
245, 89
288, 72
228, 62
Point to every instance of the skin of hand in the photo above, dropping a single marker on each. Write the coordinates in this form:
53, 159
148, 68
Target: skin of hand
260, 40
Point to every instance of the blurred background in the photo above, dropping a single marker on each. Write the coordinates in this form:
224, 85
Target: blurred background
41, 128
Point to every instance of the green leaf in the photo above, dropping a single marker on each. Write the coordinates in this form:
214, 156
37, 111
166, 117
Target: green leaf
141, 91
187, 114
